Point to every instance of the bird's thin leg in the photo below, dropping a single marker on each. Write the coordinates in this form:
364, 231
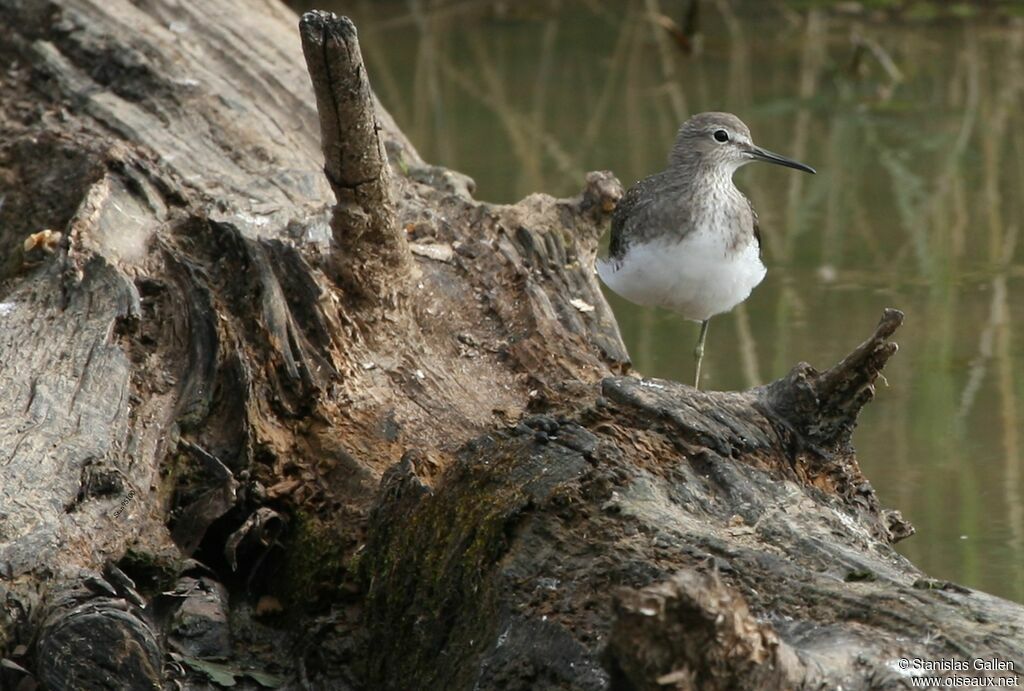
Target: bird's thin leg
698, 352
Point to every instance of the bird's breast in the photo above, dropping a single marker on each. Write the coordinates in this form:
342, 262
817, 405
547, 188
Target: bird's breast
723, 213
709, 270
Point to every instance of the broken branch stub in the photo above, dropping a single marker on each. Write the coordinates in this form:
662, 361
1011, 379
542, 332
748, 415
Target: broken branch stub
370, 254
823, 406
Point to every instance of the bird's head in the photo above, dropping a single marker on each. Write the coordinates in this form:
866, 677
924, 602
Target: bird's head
721, 140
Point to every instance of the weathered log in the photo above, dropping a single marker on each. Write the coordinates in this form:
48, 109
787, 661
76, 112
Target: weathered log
693, 632
372, 254
760, 554
369, 394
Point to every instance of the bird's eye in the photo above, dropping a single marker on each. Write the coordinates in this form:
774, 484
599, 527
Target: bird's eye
721, 136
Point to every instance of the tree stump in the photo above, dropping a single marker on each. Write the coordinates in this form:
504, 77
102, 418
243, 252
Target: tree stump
267, 375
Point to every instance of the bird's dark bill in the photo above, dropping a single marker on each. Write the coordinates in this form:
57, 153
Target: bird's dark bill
763, 155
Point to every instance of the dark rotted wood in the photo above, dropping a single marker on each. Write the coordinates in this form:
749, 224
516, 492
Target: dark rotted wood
383, 429
693, 632
110, 623
746, 547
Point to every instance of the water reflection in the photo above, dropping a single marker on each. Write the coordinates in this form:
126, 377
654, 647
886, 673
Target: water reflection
918, 136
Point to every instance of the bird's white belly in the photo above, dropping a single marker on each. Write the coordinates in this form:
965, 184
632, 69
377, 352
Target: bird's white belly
697, 277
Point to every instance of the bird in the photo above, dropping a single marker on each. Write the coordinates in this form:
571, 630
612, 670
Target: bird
686, 239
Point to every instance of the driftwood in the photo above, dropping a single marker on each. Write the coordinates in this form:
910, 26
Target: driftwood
253, 390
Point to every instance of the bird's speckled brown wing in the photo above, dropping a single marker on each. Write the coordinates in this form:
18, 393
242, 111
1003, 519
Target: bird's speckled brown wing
757, 225
620, 224
648, 209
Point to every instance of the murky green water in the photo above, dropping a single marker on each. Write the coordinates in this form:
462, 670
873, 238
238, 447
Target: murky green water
917, 204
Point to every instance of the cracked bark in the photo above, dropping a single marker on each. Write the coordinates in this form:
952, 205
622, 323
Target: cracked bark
369, 252
221, 380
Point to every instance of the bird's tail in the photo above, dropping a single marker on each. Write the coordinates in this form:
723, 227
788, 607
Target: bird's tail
605, 268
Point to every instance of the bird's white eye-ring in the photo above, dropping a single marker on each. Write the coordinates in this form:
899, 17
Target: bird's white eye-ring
721, 136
